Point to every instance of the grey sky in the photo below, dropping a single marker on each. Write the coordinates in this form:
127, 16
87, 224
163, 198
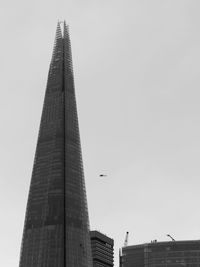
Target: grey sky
136, 66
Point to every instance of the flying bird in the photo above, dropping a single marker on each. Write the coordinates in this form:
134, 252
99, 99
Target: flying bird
102, 175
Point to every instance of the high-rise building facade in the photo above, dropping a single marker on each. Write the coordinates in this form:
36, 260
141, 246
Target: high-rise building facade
56, 229
102, 249
162, 254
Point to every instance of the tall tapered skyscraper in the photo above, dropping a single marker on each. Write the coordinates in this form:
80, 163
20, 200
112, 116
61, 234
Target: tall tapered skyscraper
56, 230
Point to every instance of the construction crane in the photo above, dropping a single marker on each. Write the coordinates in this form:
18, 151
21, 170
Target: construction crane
171, 237
126, 239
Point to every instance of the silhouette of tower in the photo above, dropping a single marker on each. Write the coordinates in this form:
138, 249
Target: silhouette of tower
56, 230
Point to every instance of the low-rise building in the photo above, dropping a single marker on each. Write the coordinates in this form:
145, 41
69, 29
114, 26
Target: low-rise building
162, 254
102, 249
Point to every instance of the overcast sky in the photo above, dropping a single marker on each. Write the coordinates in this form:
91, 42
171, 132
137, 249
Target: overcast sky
137, 77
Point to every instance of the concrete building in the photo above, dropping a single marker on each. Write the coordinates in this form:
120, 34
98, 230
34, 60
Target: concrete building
102, 249
162, 254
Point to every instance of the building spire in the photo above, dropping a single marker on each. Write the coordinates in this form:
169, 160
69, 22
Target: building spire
56, 229
58, 38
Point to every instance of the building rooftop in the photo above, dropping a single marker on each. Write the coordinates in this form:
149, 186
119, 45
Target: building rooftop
156, 243
97, 234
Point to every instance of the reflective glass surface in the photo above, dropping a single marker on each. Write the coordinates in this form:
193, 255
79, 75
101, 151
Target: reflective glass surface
56, 230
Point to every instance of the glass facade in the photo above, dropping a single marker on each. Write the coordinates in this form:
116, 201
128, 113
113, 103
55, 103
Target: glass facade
162, 254
56, 230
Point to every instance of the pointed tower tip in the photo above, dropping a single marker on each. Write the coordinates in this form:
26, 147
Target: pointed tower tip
66, 29
58, 31
58, 37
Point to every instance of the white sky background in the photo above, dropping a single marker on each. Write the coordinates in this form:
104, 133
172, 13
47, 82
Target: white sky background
136, 66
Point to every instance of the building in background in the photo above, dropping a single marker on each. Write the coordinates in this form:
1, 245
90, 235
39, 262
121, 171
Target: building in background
56, 229
102, 250
162, 254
